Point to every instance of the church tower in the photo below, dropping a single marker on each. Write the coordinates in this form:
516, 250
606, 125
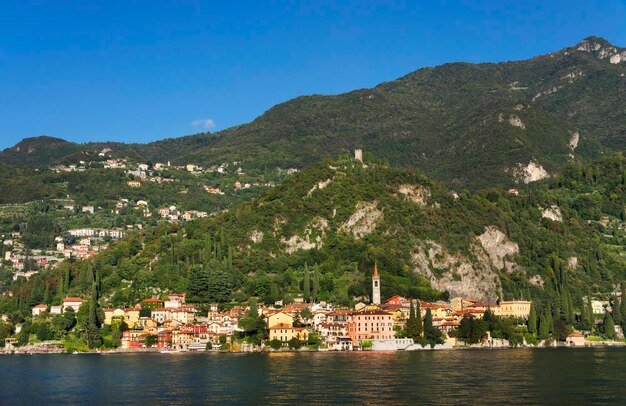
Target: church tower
375, 286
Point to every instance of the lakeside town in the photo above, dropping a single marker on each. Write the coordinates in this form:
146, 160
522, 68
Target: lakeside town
170, 324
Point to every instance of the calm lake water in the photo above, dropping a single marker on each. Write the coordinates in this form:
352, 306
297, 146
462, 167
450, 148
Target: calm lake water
546, 376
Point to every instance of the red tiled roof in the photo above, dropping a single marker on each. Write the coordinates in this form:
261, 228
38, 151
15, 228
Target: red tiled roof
73, 299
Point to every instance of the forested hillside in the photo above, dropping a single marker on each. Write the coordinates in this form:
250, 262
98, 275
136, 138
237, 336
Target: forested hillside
319, 233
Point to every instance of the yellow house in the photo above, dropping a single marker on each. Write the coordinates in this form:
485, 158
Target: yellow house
109, 314
130, 316
285, 332
514, 308
280, 318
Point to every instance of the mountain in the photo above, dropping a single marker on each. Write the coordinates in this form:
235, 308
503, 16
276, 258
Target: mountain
562, 239
468, 125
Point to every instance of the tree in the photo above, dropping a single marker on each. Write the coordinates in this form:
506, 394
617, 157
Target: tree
253, 325
472, 330
532, 319
544, 327
306, 315
276, 344
151, 340
617, 310
69, 317
414, 323
145, 311
623, 307
198, 284
92, 325
609, 326
316, 282
428, 320
307, 284
294, 344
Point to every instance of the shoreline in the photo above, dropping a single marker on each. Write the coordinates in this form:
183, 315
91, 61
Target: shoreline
588, 345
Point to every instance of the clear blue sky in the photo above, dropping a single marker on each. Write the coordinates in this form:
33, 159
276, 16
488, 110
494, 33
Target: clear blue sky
138, 71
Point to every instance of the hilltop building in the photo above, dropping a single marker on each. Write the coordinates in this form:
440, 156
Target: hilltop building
358, 154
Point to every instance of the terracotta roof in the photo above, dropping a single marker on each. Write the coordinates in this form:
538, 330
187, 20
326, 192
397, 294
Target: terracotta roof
41, 306
73, 299
576, 334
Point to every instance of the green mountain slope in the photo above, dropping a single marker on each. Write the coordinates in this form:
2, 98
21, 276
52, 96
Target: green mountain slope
332, 222
469, 125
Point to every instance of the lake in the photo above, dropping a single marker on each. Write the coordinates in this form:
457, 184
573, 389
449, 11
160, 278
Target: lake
520, 376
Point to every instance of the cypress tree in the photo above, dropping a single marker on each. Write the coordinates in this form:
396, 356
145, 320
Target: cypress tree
67, 280
532, 319
617, 311
428, 320
549, 319
623, 307
609, 326
544, 328
418, 318
316, 282
92, 333
570, 305
307, 284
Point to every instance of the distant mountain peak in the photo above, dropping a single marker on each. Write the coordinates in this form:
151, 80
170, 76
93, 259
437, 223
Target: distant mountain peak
31, 144
601, 48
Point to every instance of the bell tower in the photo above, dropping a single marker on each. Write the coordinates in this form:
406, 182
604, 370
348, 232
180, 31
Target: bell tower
375, 286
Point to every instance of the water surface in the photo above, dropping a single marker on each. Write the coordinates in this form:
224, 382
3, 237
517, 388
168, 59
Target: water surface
546, 376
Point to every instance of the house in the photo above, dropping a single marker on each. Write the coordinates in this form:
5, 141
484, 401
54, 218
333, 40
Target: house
39, 310
599, 306
341, 344
56, 309
575, 340
160, 315
514, 308
459, 303
73, 302
370, 324
152, 303
397, 300
134, 183
175, 300
182, 338
286, 332
280, 318
164, 339
184, 314
88, 209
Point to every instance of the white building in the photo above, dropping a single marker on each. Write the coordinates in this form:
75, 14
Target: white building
39, 310
73, 302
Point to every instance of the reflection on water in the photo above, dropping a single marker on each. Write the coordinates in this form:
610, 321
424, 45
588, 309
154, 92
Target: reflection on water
441, 377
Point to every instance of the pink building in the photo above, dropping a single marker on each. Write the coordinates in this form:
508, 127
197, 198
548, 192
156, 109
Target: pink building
370, 324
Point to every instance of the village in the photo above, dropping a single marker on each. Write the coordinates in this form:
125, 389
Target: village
170, 324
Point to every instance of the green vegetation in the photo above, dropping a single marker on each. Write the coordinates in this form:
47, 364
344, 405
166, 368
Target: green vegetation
299, 239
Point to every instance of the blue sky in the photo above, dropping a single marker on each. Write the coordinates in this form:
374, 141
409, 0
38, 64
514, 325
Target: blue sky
138, 71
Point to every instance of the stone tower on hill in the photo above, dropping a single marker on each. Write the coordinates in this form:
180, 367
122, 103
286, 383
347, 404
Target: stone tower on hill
375, 286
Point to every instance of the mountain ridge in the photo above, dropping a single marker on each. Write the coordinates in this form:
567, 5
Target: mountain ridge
469, 125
